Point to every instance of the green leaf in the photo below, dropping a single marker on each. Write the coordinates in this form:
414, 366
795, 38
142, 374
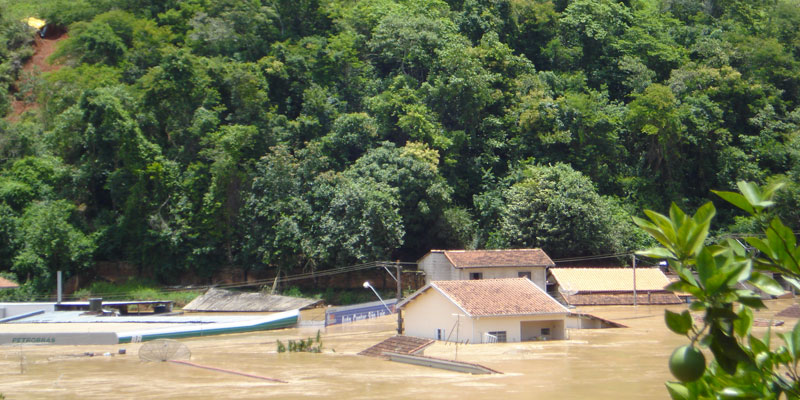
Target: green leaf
760, 244
750, 192
736, 199
736, 393
792, 281
685, 287
757, 345
706, 268
678, 323
743, 324
769, 190
677, 391
753, 301
766, 284
796, 340
705, 213
698, 306
656, 252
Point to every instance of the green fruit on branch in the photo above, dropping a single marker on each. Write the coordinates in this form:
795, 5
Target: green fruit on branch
687, 363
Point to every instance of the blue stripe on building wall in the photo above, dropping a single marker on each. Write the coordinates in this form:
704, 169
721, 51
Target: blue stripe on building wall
358, 312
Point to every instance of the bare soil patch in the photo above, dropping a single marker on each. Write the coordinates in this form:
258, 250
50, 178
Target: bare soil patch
43, 48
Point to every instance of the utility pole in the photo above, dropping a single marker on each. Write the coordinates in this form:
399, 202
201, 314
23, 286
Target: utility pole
399, 296
633, 258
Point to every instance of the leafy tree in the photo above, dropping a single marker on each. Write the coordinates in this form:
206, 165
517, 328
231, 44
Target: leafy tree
362, 222
242, 30
420, 193
743, 365
595, 27
49, 242
408, 43
653, 115
277, 213
558, 209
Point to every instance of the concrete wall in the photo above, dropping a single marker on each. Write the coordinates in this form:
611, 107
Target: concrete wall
12, 309
437, 268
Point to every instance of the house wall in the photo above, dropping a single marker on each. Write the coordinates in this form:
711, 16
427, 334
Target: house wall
538, 274
513, 326
437, 268
577, 322
431, 311
532, 330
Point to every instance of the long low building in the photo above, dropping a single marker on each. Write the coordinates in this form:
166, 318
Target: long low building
610, 286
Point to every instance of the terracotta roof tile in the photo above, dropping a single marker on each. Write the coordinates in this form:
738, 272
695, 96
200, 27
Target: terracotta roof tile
619, 299
485, 297
7, 284
608, 279
398, 344
498, 258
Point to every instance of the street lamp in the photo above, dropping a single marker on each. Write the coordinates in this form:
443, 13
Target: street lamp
367, 285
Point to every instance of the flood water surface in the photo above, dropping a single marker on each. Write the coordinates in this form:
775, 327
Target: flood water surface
622, 363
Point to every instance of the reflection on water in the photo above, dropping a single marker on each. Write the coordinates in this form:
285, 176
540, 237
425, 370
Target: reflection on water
625, 363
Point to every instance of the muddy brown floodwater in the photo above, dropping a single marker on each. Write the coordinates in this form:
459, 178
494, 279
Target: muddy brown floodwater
623, 363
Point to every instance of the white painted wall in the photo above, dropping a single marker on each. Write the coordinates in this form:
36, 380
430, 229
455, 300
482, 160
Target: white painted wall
513, 326
538, 274
432, 310
427, 313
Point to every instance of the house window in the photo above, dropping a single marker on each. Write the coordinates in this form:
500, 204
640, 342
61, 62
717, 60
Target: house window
545, 331
440, 334
526, 274
475, 275
500, 335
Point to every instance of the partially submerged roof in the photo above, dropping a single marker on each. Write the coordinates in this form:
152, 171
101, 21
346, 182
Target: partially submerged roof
497, 258
7, 284
226, 300
579, 280
620, 298
494, 297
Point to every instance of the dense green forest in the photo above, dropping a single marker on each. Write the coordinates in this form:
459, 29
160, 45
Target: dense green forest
293, 135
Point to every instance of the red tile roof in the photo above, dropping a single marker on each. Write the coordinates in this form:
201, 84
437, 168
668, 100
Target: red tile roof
7, 284
497, 258
497, 297
620, 299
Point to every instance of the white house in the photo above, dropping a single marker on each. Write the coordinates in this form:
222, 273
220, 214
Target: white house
449, 265
486, 310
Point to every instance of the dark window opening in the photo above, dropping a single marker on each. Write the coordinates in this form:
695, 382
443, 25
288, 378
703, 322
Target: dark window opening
500, 335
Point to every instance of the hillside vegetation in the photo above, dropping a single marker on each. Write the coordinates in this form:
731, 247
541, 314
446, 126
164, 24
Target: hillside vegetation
184, 136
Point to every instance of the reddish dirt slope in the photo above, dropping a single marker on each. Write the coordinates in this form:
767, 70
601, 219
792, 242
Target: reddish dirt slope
43, 48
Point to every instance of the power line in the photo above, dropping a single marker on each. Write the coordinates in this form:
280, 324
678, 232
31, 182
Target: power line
596, 257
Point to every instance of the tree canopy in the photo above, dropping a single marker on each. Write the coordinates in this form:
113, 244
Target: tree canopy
186, 136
